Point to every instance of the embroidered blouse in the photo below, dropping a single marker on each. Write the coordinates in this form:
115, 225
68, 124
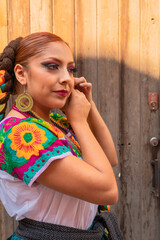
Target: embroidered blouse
27, 147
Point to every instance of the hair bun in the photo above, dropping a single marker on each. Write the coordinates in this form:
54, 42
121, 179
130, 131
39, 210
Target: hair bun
7, 62
7, 59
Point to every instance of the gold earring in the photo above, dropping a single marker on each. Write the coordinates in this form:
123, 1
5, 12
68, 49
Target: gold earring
20, 105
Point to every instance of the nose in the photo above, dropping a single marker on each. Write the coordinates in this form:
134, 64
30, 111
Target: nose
66, 76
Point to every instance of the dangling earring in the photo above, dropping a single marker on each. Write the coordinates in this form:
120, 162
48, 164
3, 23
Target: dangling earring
20, 105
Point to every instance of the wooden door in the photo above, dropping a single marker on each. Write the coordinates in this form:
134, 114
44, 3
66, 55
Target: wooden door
116, 45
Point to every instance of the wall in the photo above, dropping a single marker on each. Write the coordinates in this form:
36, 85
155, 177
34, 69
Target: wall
116, 47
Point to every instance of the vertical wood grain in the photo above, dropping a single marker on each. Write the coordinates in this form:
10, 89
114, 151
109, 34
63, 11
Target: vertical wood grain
3, 43
150, 69
117, 47
18, 25
18, 18
130, 156
40, 16
63, 21
108, 70
6, 224
3, 24
86, 41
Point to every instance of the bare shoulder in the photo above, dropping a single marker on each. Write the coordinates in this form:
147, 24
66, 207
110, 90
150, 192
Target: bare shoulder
14, 113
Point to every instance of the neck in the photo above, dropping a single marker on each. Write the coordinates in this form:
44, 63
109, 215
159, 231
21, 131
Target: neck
42, 114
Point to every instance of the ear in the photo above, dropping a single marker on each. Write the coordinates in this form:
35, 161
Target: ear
20, 74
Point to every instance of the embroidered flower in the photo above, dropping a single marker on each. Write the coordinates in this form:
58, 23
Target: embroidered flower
27, 139
60, 119
5, 161
1, 136
2, 159
57, 132
10, 122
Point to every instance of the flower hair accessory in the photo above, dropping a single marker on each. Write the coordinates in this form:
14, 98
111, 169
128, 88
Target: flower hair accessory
2, 78
2, 84
2, 94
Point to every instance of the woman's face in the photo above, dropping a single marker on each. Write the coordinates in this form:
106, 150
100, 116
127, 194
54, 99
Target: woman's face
49, 76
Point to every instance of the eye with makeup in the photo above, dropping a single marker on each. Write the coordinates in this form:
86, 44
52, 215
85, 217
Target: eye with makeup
72, 69
55, 66
50, 65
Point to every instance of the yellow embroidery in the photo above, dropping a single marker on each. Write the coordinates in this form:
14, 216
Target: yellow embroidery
27, 139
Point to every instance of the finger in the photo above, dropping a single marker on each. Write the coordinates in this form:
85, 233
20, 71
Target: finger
75, 92
79, 80
86, 85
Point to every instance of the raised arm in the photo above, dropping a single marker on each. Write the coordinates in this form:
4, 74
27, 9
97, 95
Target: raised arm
96, 123
91, 180
102, 134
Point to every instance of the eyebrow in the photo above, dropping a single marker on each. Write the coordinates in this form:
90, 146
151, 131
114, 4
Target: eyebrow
59, 61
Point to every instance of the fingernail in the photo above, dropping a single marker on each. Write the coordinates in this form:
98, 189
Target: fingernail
81, 84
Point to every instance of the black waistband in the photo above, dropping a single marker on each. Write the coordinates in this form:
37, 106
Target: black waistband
35, 230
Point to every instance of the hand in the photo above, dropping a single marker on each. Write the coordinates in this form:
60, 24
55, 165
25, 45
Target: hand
77, 107
83, 86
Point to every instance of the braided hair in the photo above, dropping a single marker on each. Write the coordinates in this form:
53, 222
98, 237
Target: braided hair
7, 63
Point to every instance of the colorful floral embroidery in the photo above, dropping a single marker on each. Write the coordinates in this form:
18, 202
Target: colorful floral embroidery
60, 120
27, 139
29, 145
5, 161
9, 123
52, 128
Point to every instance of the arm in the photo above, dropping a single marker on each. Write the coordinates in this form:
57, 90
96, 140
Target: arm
96, 123
91, 180
102, 134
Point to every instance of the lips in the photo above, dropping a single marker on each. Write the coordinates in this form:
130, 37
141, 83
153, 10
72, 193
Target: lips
62, 93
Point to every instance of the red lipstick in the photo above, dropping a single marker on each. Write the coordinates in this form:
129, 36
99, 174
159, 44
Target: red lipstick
62, 93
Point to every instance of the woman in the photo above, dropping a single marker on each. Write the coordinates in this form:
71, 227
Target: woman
53, 169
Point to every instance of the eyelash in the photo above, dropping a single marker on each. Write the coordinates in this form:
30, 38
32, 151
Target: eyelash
74, 69
55, 66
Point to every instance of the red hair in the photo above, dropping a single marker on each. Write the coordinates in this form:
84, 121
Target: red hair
33, 44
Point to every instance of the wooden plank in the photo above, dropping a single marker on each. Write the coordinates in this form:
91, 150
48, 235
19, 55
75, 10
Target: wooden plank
6, 224
108, 65
149, 66
3, 43
41, 15
86, 41
3, 24
18, 23
108, 75
18, 18
130, 119
63, 21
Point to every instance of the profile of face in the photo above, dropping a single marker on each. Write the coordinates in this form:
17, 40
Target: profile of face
48, 77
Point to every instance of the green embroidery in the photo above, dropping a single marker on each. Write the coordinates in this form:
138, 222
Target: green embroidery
41, 161
27, 137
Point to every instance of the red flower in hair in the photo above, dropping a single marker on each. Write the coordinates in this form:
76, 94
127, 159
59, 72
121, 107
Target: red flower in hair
2, 79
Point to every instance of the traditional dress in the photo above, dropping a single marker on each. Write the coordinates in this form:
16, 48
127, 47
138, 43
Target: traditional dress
27, 147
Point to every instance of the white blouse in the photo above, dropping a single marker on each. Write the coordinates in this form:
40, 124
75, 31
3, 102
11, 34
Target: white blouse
44, 204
